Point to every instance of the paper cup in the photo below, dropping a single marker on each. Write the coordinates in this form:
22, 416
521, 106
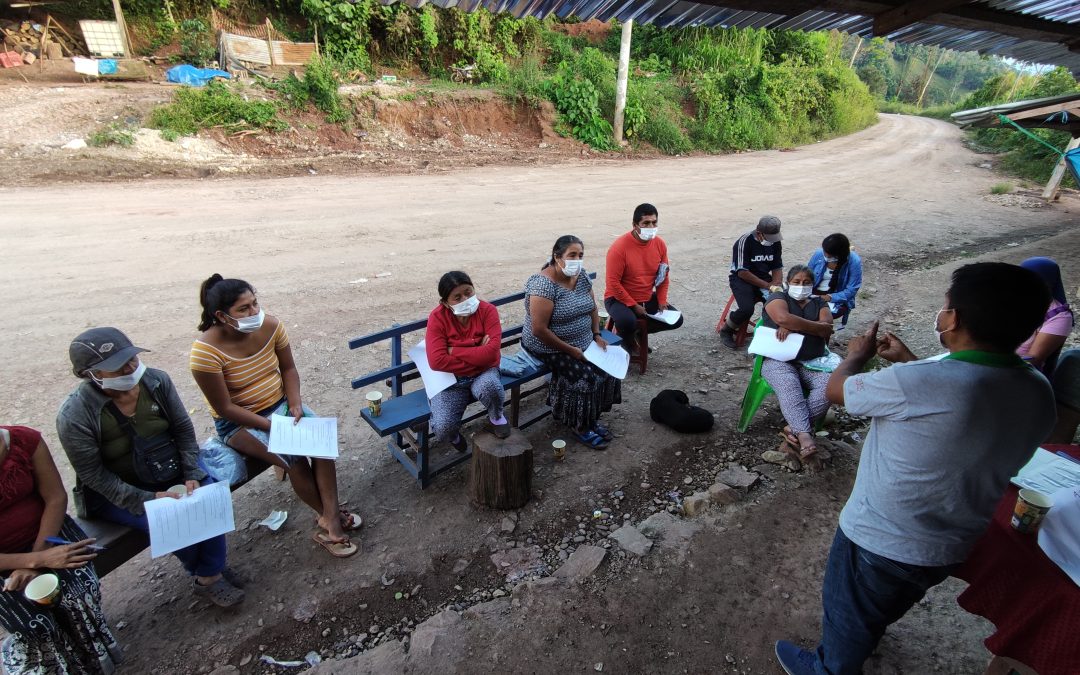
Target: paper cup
1031, 507
44, 589
374, 403
178, 490
559, 448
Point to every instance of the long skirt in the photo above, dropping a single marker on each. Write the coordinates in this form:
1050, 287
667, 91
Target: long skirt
579, 391
68, 638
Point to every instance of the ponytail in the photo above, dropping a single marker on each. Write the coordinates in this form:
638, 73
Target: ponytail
218, 294
561, 244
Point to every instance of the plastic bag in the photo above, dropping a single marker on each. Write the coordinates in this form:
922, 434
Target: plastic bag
192, 76
222, 462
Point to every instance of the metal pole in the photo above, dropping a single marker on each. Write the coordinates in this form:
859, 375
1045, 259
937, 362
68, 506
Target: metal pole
620, 84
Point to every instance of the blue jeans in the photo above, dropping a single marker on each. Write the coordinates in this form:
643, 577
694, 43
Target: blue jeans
862, 595
205, 559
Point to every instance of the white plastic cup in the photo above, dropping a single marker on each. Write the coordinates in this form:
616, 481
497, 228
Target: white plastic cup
559, 448
44, 589
374, 402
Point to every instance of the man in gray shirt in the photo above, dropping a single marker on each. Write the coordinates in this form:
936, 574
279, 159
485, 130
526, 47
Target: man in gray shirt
945, 438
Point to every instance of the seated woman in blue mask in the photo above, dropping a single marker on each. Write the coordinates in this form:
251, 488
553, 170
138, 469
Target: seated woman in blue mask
837, 275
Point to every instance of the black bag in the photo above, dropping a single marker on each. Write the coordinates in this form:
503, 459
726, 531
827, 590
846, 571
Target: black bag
672, 407
156, 459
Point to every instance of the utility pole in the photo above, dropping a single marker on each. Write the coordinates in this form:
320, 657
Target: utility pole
620, 83
926, 85
855, 53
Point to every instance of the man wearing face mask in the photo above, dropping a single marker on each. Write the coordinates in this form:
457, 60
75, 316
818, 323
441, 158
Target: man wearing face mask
756, 270
128, 436
637, 278
945, 438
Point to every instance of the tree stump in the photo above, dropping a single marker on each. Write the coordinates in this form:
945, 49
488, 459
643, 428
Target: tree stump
500, 476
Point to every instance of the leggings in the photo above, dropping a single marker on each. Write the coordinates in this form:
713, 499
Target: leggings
449, 404
746, 298
787, 378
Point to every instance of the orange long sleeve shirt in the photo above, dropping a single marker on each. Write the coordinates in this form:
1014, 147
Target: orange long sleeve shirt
631, 270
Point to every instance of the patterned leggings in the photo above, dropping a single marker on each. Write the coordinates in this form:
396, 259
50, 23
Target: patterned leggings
787, 378
449, 404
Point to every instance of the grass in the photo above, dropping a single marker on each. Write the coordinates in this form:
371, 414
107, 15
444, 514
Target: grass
214, 105
113, 134
1001, 189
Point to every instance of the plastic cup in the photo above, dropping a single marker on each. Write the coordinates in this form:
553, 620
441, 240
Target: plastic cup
178, 490
1031, 507
559, 448
374, 403
44, 589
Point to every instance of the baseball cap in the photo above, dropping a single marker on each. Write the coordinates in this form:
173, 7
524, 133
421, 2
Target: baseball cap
101, 349
770, 227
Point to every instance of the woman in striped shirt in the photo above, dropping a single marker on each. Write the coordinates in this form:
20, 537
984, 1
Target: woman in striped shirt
244, 366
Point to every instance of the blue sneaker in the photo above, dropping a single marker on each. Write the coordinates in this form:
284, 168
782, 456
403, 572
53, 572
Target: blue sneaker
795, 660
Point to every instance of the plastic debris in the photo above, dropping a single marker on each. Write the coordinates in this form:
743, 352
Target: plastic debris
275, 520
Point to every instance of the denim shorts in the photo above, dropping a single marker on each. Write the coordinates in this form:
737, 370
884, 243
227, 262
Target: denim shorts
226, 429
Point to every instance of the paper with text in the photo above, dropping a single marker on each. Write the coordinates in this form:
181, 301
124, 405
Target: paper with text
1059, 534
312, 437
435, 381
668, 316
1048, 473
766, 344
614, 360
178, 523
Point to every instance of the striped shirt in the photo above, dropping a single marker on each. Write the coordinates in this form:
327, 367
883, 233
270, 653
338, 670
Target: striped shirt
254, 382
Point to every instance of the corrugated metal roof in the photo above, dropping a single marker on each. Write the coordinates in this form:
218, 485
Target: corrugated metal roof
1052, 112
946, 31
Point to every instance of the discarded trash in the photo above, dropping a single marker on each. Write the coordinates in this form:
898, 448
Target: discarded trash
310, 659
275, 520
192, 76
598, 514
399, 595
389, 78
361, 280
382, 275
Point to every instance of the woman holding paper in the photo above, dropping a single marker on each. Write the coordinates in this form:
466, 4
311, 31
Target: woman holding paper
129, 438
33, 503
464, 338
795, 312
561, 322
244, 366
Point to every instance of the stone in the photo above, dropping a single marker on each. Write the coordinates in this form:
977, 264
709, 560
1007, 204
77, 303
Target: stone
696, 504
389, 657
461, 565
722, 494
781, 459
508, 525
581, 564
656, 524
738, 478
305, 609
518, 562
225, 670
631, 540
77, 144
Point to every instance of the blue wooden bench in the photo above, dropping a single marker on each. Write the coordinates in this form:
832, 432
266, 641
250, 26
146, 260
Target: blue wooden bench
404, 416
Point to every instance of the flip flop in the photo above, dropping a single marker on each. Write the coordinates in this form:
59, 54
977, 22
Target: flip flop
601, 430
350, 522
789, 438
592, 439
338, 549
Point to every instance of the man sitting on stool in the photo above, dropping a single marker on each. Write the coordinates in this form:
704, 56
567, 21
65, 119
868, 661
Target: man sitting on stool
637, 278
756, 269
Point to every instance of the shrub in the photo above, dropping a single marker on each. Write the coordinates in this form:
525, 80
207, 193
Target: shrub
196, 43
1001, 189
214, 105
113, 134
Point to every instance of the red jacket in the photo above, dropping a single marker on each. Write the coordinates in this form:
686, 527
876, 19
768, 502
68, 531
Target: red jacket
470, 358
631, 270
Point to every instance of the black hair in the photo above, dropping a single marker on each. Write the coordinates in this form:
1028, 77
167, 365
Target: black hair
837, 246
451, 280
795, 269
218, 294
981, 292
561, 244
643, 210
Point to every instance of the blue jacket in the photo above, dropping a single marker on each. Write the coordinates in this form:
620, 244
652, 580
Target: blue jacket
848, 277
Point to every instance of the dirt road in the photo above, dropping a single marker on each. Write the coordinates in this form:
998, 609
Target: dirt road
132, 255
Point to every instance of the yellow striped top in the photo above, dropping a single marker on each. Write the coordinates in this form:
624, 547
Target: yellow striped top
254, 382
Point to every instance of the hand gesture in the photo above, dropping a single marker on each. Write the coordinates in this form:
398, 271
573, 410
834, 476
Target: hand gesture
782, 333
487, 339
600, 342
67, 556
18, 579
863, 347
892, 348
191, 485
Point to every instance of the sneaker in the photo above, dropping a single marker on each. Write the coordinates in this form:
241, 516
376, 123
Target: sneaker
795, 660
727, 337
221, 592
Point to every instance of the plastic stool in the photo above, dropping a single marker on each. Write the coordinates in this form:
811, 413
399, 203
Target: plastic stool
741, 333
642, 356
756, 391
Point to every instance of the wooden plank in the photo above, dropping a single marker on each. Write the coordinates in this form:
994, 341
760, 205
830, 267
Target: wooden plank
1051, 190
910, 12
1044, 110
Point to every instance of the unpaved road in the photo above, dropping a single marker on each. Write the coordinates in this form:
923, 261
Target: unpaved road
133, 254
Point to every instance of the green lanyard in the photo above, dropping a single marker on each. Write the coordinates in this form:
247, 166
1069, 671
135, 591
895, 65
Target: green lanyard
993, 359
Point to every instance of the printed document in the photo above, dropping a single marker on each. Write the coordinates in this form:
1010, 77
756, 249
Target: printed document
668, 316
766, 344
434, 380
1048, 473
178, 523
312, 437
614, 360
1059, 534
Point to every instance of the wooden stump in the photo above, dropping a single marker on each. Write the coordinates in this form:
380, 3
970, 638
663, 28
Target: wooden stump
500, 476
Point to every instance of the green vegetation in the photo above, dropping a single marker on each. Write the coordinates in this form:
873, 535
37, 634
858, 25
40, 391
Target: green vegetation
113, 134
216, 104
319, 86
1001, 189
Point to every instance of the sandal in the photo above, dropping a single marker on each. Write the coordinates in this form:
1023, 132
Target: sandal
592, 439
338, 549
221, 592
350, 522
789, 437
809, 449
603, 431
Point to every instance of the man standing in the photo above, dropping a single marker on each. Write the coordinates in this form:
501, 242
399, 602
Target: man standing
945, 438
756, 269
637, 278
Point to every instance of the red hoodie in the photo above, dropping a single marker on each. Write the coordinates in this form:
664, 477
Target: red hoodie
470, 358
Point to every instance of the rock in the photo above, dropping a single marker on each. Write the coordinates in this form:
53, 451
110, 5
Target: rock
738, 478
696, 504
722, 494
388, 657
781, 459
581, 564
508, 525
225, 670
654, 525
461, 565
305, 609
515, 563
631, 540
77, 144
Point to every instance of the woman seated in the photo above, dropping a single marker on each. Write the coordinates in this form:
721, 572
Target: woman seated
244, 366
1041, 350
561, 321
795, 311
1066, 383
128, 436
837, 274
70, 636
464, 337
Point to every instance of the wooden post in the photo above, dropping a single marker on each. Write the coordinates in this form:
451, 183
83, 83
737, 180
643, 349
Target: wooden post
500, 476
926, 85
44, 42
317, 40
1050, 193
270, 40
855, 53
620, 83
119, 13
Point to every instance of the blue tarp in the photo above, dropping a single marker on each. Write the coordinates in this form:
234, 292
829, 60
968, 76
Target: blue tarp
106, 66
1072, 160
192, 76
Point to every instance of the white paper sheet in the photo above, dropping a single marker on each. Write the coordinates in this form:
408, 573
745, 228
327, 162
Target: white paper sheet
766, 344
179, 523
1059, 534
668, 316
434, 380
614, 360
1048, 473
832, 307
85, 66
312, 437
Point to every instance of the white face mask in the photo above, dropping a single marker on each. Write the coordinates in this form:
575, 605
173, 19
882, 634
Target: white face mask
123, 382
647, 233
800, 292
937, 331
249, 324
466, 307
572, 268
